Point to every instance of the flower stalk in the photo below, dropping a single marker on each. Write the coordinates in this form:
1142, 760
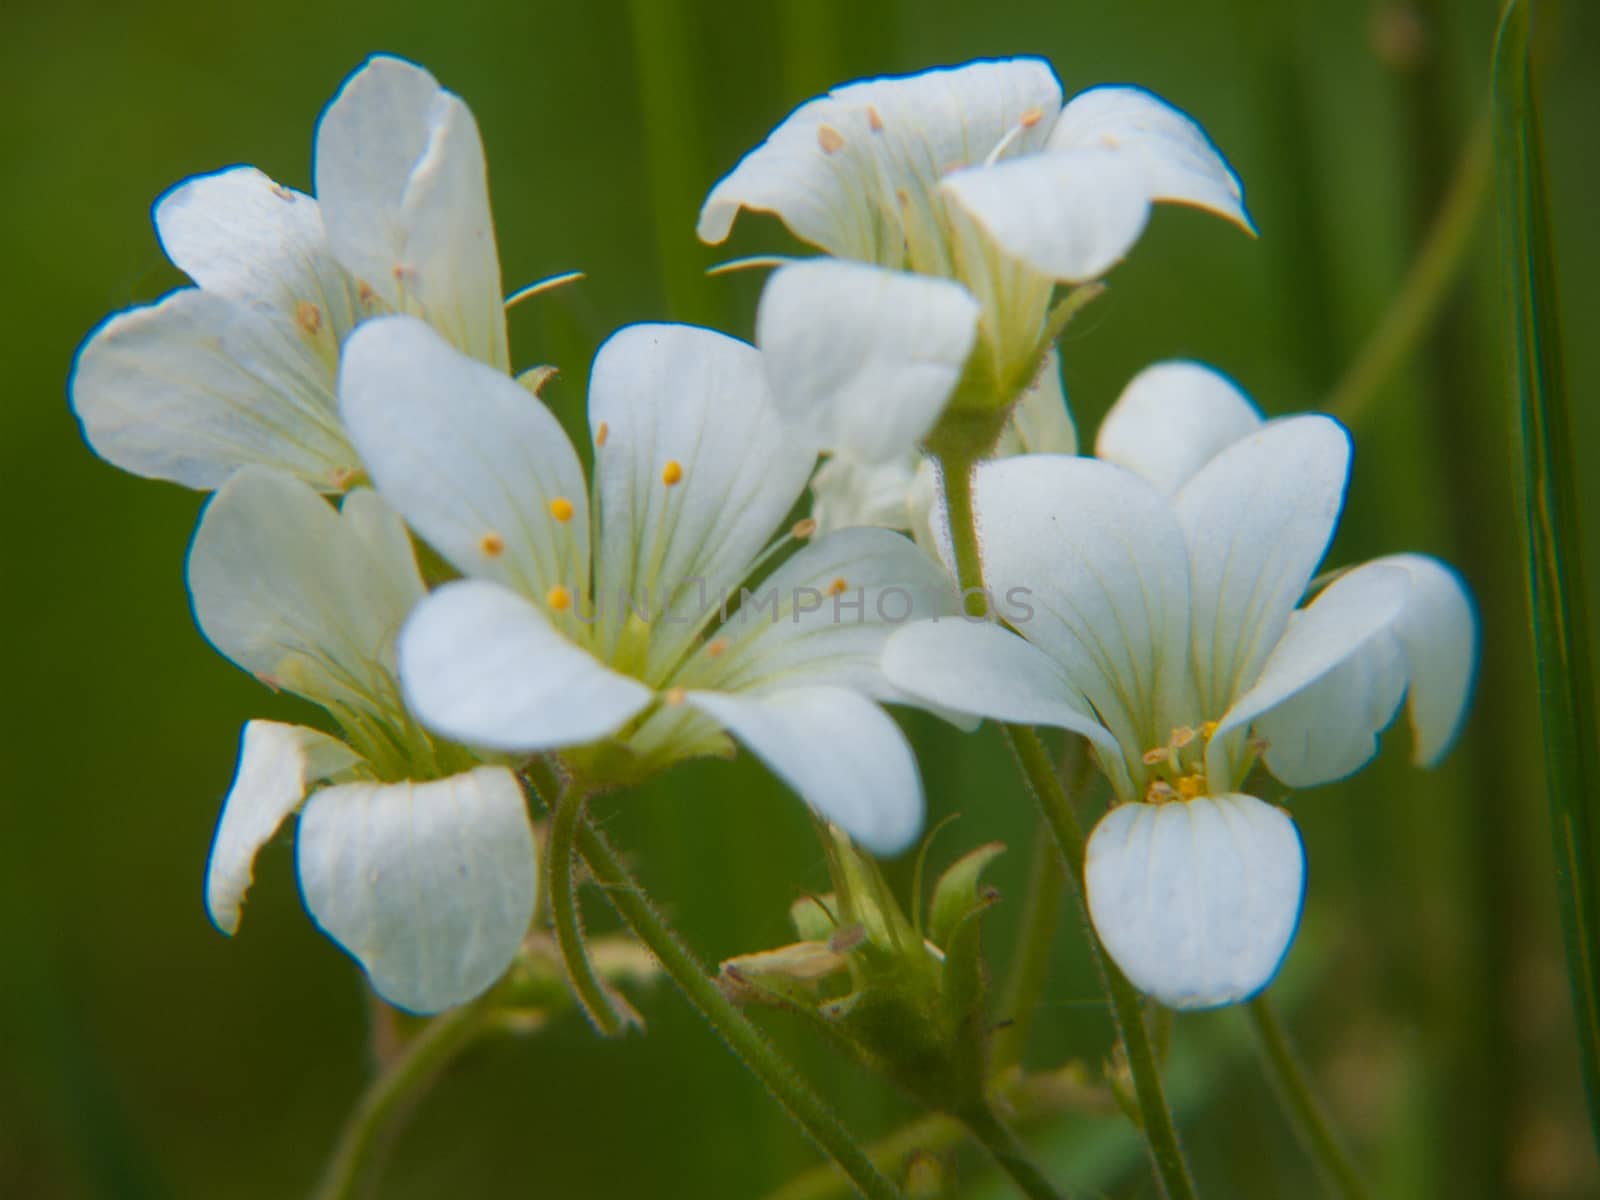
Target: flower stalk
587, 986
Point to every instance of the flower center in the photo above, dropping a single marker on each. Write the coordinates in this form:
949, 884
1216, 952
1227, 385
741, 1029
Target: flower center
1177, 769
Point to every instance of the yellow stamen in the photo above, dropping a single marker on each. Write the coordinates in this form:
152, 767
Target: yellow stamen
675, 696
601, 434
1159, 755
561, 509
492, 544
874, 121
672, 473
717, 648
1159, 792
837, 587
829, 138
1191, 787
309, 317
403, 272
1182, 736
1208, 730
558, 598
804, 528
365, 293
1031, 118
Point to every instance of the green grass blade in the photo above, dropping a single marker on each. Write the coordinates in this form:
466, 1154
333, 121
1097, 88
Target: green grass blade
1550, 501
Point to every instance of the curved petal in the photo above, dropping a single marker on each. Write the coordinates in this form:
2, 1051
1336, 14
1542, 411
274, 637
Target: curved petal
979, 669
482, 665
862, 359
1091, 559
276, 763
823, 617
831, 169
1196, 901
846, 494
299, 595
405, 196
1071, 215
239, 234
1042, 419
1257, 518
1438, 631
1175, 159
842, 753
695, 474
1343, 621
1172, 419
478, 467
196, 386
429, 886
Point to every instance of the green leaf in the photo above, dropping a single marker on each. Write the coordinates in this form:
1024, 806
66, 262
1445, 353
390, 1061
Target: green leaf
1550, 505
956, 894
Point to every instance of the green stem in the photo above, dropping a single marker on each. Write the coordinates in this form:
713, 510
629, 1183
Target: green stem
1426, 285
1009, 1154
1160, 1132
568, 921
1126, 1008
1030, 963
1305, 1114
357, 1156
747, 1042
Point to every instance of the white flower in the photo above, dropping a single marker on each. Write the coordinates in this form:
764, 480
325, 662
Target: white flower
240, 368
1158, 619
586, 622
952, 203
428, 883
901, 493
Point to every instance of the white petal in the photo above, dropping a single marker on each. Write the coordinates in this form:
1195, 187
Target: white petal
862, 359
1172, 419
1042, 418
1086, 561
1071, 215
1196, 901
472, 460
198, 385
842, 753
980, 669
1329, 730
846, 493
1341, 622
276, 764
677, 394
240, 235
404, 192
1438, 631
1175, 159
429, 886
836, 190
823, 617
482, 665
1258, 518
298, 595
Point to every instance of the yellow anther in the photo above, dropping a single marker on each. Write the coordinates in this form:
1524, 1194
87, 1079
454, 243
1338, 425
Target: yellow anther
672, 473
601, 434
1182, 736
308, 316
874, 121
1208, 730
717, 648
558, 598
804, 528
1191, 787
1160, 792
561, 509
1159, 755
837, 587
829, 138
365, 293
675, 696
403, 272
1031, 118
492, 544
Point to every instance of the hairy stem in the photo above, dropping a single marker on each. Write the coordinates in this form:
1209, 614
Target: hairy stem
1030, 962
352, 1171
1304, 1113
1009, 1154
590, 990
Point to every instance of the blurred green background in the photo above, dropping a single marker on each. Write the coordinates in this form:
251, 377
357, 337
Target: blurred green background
144, 1055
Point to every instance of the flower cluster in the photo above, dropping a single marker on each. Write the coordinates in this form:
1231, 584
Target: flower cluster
403, 534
